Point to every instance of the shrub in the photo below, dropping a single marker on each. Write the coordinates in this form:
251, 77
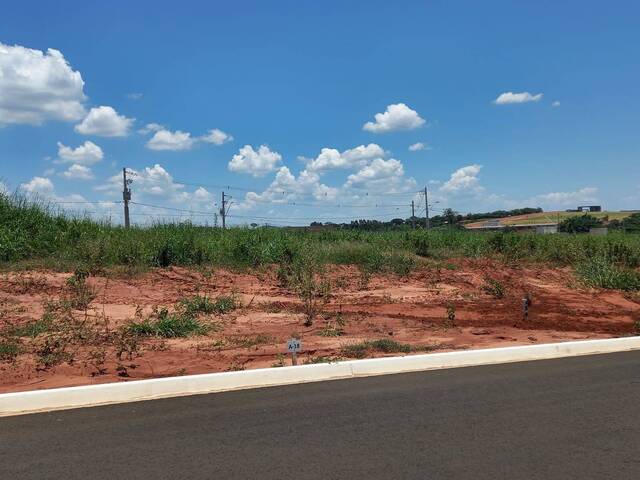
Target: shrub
579, 224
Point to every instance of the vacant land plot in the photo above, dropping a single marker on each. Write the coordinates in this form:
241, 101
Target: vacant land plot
82, 302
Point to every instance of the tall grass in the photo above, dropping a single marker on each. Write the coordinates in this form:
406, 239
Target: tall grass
36, 232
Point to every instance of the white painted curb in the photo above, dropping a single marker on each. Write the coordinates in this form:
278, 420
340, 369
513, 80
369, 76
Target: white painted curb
92, 395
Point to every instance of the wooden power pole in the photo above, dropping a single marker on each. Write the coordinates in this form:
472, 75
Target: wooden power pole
413, 214
426, 208
126, 197
223, 211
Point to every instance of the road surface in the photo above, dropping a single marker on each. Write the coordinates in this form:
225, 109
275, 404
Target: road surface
565, 419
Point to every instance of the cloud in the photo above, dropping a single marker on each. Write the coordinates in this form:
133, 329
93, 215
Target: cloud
556, 103
86, 154
463, 180
418, 146
286, 187
134, 96
36, 86
397, 117
38, 185
174, 141
378, 170
330, 158
217, 137
104, 121
565, 199
257, 163
150, 127
78, 172
510, 97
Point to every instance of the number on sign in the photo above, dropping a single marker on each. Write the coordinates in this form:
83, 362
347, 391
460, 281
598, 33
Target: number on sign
294, 345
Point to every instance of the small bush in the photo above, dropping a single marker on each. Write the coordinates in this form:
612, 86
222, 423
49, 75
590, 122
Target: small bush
579, 224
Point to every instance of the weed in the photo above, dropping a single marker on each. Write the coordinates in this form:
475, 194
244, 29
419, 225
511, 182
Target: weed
168, 325
202, 304
322, 359
493, 287
385, 345
9, 350
80, 294
450, 321
280, 361
35, 328
602, 273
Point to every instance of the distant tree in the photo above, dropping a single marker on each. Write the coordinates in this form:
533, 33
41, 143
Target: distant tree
450, 216
579, 224
631, 224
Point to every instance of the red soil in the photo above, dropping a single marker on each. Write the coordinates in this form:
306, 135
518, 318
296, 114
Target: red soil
409, 310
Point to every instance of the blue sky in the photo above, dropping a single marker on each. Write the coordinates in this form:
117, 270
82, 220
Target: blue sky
515, 104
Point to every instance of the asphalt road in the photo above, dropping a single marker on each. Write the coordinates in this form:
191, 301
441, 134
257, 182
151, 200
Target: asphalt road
564, 419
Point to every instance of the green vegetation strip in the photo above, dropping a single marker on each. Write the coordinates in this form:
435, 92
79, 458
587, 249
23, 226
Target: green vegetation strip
33, 234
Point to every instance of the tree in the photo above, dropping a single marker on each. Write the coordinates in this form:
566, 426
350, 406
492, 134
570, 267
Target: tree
579, 224
450, 216
631, 224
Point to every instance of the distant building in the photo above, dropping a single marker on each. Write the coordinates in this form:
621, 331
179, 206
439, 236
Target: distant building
589, 208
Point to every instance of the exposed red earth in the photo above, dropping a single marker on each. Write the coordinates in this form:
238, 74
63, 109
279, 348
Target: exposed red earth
411, 310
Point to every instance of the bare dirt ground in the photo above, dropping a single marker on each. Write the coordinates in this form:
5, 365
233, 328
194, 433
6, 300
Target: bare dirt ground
411, 310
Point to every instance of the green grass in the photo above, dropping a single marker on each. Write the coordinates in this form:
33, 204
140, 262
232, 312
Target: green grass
203, 304
38, 235
600, 272
34, 328
168, 325
9, 350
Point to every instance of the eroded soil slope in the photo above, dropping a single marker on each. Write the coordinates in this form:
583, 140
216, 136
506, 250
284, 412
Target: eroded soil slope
459, 305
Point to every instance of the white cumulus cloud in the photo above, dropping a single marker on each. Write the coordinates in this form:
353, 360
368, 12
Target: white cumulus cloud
396, 117
38, 185
104, 121
78, 172
36, 86
376, 171
523, 97
415, 147
463, 180
86, 154
168, 140
217, 137
255, 162
566, 199
330, 158
150, 127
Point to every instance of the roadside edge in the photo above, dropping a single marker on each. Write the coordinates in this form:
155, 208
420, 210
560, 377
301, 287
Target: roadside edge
34, 401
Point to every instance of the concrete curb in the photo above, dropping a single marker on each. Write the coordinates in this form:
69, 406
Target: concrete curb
93, 395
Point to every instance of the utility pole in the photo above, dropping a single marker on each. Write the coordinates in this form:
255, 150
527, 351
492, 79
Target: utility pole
426, 208
126, 197
224, 209
413, 214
